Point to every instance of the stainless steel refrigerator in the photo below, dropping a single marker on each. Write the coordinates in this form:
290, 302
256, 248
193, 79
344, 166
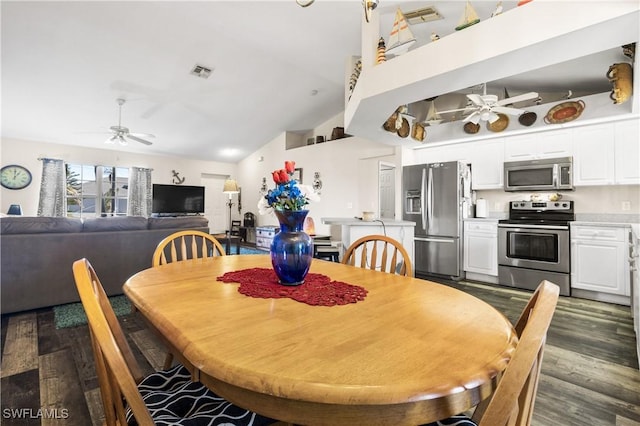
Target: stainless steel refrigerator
435, 197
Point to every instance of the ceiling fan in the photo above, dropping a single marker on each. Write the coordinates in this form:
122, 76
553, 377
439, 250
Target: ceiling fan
121, 134
487, 107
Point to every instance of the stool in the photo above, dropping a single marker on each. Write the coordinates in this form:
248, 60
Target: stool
328, 253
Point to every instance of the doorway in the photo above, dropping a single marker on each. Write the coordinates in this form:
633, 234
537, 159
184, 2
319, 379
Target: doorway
215, 202
387, 190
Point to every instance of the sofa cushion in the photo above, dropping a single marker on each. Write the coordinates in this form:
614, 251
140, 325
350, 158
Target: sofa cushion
115, 223
39, 225
178, 222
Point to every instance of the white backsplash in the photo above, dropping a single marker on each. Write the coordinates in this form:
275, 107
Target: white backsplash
605, 202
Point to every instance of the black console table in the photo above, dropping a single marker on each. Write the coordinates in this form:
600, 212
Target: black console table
226, 240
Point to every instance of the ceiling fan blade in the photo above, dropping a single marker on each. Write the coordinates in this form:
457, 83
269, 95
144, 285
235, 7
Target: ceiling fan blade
507, 110
137, 139
452, 110
517, 98
142, 135
474, 117
476, 99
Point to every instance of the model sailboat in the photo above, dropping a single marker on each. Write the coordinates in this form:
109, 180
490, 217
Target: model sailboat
401, 36
469, 18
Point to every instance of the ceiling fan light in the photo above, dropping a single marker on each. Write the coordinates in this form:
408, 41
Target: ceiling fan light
112, 139
122, 140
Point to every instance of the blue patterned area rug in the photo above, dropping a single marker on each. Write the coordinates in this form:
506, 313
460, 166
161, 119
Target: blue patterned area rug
248, 250
72, 314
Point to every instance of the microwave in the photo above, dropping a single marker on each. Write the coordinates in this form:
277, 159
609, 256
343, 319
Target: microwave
549, 174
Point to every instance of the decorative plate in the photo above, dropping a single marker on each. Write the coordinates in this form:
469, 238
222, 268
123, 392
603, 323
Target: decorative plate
403, 131
564, 112
471, 128
390, 124
417, 131
527, 118
500, 124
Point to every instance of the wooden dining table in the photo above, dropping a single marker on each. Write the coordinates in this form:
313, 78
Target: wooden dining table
413, 351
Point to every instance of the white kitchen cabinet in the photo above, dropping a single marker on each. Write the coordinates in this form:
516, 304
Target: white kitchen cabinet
481, 247
607, 154
441, 153
533, 146
487, 159
594, 153
600, 259
627, 152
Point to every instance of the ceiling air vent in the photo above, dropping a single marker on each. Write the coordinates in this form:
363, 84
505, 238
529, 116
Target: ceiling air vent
422, 15
200, 71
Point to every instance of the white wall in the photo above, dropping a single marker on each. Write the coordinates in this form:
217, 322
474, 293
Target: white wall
348, 170
26, 153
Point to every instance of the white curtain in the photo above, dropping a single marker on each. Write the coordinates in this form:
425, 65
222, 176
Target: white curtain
139, 192
52, 189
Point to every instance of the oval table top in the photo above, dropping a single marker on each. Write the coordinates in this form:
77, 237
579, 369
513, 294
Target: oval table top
413, 351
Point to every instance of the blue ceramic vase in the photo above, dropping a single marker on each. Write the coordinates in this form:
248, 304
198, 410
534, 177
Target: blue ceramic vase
291, 249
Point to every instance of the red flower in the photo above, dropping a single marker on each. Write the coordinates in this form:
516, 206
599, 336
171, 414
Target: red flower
284, 176
276, 176
290, 166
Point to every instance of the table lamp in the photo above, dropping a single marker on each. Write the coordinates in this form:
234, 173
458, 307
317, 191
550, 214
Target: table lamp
15, 209
230, 187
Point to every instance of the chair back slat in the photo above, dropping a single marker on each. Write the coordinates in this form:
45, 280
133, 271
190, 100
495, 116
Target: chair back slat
513, 400
190, 244
113, 357
379, 257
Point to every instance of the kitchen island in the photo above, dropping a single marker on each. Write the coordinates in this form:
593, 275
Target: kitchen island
352, 229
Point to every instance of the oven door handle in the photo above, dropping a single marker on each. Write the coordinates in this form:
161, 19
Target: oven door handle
523, 226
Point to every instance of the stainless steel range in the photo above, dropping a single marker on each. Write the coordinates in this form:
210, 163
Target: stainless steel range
534, 245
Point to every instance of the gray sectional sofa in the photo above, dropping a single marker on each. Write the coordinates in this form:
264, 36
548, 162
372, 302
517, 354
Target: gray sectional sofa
37, 253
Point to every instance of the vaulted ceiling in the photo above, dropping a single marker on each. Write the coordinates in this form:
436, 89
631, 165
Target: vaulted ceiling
274, 67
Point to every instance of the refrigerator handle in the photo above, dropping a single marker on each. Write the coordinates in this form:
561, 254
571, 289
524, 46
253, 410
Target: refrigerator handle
423, 201
430, 198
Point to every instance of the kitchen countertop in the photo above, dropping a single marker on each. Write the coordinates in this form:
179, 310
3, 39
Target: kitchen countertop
357, 222
481, 219
603, 224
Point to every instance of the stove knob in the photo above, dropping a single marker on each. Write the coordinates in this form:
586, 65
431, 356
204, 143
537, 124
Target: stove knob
521, 204
556, 204
565, 205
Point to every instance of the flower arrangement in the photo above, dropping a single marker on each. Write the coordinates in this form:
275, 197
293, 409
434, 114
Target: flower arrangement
289, 194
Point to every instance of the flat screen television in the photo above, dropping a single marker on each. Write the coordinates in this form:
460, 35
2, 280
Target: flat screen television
172, 200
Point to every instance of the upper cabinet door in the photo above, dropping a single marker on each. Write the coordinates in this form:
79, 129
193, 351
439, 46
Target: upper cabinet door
594, 155
487, 164
532, 146
627, 152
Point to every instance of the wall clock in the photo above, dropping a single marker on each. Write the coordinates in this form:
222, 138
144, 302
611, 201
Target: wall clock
15, 177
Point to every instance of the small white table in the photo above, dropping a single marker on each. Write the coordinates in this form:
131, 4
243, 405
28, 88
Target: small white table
352, 229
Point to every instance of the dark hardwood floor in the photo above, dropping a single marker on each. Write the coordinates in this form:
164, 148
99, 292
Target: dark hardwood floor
589, 377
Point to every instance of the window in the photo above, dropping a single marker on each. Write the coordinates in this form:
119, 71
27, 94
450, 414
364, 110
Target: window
96, 190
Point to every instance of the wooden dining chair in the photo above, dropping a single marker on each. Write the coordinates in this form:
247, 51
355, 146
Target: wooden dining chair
511, 404
379, 252
164, 397
183, 245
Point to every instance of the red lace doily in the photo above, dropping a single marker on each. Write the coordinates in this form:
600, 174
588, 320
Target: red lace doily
317, 289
